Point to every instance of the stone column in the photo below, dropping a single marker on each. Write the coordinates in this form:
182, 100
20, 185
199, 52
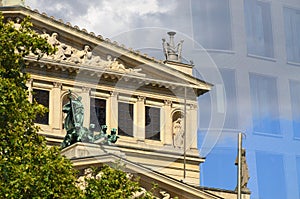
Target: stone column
86, 101
167, 122
140, 118
56, 107
112, 111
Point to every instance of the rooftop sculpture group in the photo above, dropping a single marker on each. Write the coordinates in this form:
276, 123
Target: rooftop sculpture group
76, 132
172, 52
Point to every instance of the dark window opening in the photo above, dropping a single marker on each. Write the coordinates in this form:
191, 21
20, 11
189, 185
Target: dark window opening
98, 113
125, 119
42, 97
152, 123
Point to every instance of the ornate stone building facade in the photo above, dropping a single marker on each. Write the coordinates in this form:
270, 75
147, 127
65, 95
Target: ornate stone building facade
153, 103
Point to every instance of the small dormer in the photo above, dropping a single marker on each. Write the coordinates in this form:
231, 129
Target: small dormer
173, 54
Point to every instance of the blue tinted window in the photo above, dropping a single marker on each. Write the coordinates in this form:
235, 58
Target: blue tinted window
295, 103
264, 103
211, 23
228, 77
270, 175
292, 32
258, 28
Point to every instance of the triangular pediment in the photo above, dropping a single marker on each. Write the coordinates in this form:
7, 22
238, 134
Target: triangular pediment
84, 155
81, 52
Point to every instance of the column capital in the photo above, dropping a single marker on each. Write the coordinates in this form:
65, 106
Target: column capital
141, 98
29, 81
57, 85
168, 102
113, 94
193, 106
86, 89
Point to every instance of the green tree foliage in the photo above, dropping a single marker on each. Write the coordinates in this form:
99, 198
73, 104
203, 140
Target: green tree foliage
112, 183
28, 168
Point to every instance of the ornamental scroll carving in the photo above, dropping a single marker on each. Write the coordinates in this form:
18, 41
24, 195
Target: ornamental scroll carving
69, 54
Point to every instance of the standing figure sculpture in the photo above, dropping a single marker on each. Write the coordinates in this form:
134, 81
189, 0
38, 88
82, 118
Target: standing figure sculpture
245, 172
178, 133
76, 132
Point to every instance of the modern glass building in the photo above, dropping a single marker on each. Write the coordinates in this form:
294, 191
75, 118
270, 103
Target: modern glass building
256, 48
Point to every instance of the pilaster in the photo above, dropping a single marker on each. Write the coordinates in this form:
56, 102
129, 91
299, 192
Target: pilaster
86, 101
56, 107
140, 118
167, 122
192, 126
112, 110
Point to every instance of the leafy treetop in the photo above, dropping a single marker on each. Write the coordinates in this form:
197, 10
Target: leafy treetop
28, 168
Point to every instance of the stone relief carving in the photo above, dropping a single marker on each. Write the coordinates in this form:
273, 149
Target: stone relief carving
165, 195
81, 182
66, 53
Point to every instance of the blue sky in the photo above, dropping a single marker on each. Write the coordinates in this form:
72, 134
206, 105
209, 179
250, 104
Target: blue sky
254, 93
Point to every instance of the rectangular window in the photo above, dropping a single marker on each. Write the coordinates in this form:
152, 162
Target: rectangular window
298, 173
98, 112
228, 77
42, 97
264, 101
125, 119
152, 123
212, 23
270, 166
295, 103
292, 32
259, 28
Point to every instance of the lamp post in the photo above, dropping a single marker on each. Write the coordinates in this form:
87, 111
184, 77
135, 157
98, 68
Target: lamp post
239, 166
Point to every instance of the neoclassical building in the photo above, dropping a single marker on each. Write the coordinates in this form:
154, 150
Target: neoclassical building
152, 103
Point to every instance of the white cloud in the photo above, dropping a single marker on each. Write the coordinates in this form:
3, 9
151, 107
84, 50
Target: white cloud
108, 17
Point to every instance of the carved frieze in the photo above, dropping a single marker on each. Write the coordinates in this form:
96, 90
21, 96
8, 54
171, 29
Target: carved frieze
68, 54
